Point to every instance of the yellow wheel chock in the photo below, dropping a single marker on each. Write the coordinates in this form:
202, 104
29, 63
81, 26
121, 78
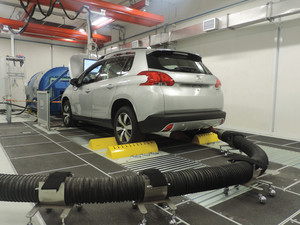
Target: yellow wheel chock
102, 143
202, 139
115, 151
127, 150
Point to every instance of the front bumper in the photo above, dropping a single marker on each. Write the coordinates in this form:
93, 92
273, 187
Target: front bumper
182, 121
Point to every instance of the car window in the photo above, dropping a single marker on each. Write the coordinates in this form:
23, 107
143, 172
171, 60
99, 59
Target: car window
116, 66
91, 73
176, 61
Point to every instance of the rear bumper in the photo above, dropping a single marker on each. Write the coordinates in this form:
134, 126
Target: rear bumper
158, 122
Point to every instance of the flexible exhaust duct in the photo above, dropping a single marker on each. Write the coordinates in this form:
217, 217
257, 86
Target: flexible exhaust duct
23, 188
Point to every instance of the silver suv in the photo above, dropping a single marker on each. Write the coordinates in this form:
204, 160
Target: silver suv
138, 91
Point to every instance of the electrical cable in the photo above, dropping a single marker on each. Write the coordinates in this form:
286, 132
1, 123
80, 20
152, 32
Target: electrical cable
7, 103
26, 24
50, 9
49, 12
56, 98
19, 113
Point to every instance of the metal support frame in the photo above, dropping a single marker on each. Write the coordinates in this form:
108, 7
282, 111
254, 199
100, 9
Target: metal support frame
43, 108
142, 208
8, 111
91, 45
37, 207
155, 195
52, 199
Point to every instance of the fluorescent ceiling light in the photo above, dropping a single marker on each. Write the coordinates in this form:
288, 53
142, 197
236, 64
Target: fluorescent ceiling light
101, 21
81, 30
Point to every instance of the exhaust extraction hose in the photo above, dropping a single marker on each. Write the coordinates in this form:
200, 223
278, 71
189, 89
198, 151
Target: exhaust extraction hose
24, 188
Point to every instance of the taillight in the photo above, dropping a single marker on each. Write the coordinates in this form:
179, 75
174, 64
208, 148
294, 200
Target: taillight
154, 77
218, 83
168, 127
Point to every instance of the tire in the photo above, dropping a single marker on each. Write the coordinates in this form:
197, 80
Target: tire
125, 126
67, 114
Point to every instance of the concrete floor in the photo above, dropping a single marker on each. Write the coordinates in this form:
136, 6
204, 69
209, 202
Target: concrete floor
26, 149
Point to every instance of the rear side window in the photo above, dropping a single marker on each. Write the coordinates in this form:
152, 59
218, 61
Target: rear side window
117, 66
176, 61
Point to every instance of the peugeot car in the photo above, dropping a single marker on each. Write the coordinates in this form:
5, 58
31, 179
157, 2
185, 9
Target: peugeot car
139, 91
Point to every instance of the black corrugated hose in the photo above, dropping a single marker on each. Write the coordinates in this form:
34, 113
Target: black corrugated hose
22, 188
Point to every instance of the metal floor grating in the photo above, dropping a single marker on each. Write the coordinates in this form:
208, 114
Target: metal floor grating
284, 157
211, 198
164, 163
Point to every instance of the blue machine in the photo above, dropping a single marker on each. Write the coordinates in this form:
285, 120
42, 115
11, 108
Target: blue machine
55, 80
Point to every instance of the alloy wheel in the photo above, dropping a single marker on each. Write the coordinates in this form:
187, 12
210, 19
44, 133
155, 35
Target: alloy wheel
124, 127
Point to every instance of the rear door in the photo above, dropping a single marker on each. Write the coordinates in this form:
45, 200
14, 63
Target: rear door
194, 89
111, 76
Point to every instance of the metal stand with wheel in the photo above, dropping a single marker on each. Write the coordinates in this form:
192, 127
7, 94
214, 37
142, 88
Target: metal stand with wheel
156, 189
37, 207
255, 182
142, 208
52, 196
271, 190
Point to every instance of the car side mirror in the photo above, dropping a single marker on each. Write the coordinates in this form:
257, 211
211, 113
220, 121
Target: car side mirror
74, 82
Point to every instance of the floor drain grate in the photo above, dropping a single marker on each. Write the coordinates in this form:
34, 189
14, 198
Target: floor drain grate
164, 163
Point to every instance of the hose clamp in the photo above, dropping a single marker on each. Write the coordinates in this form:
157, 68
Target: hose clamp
52, 196
52, 191
156, 186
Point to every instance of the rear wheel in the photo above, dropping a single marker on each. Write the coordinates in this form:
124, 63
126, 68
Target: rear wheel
126, 128
67, 114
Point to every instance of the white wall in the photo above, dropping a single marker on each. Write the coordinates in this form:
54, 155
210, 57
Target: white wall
288, 96
245, 61
38, 57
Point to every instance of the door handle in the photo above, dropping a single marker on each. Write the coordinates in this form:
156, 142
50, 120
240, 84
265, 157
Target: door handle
87, 91
110, 86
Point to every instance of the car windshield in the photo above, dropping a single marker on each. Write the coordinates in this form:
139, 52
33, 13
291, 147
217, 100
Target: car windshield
176, 61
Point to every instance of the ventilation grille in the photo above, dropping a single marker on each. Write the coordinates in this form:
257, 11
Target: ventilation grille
211, 24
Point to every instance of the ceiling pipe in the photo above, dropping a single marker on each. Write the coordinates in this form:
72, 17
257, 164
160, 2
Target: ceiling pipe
44, 31
114, 11
54, 38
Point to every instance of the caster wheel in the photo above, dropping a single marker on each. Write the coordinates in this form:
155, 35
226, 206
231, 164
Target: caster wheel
226, 191
144, 222
272, 192
262, 199
134, 205
79, 208
173, 221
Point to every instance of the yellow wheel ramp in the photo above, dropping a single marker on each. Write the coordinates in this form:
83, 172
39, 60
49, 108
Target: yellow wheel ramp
132, 149
102, 143
202, 139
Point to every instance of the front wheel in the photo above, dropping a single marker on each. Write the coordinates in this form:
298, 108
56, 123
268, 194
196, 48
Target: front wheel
126, 128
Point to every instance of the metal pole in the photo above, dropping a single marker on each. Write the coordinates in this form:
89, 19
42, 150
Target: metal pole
276, 77
8, 106
12, 44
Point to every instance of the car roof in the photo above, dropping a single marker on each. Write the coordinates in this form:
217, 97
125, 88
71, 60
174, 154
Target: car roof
127, 51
